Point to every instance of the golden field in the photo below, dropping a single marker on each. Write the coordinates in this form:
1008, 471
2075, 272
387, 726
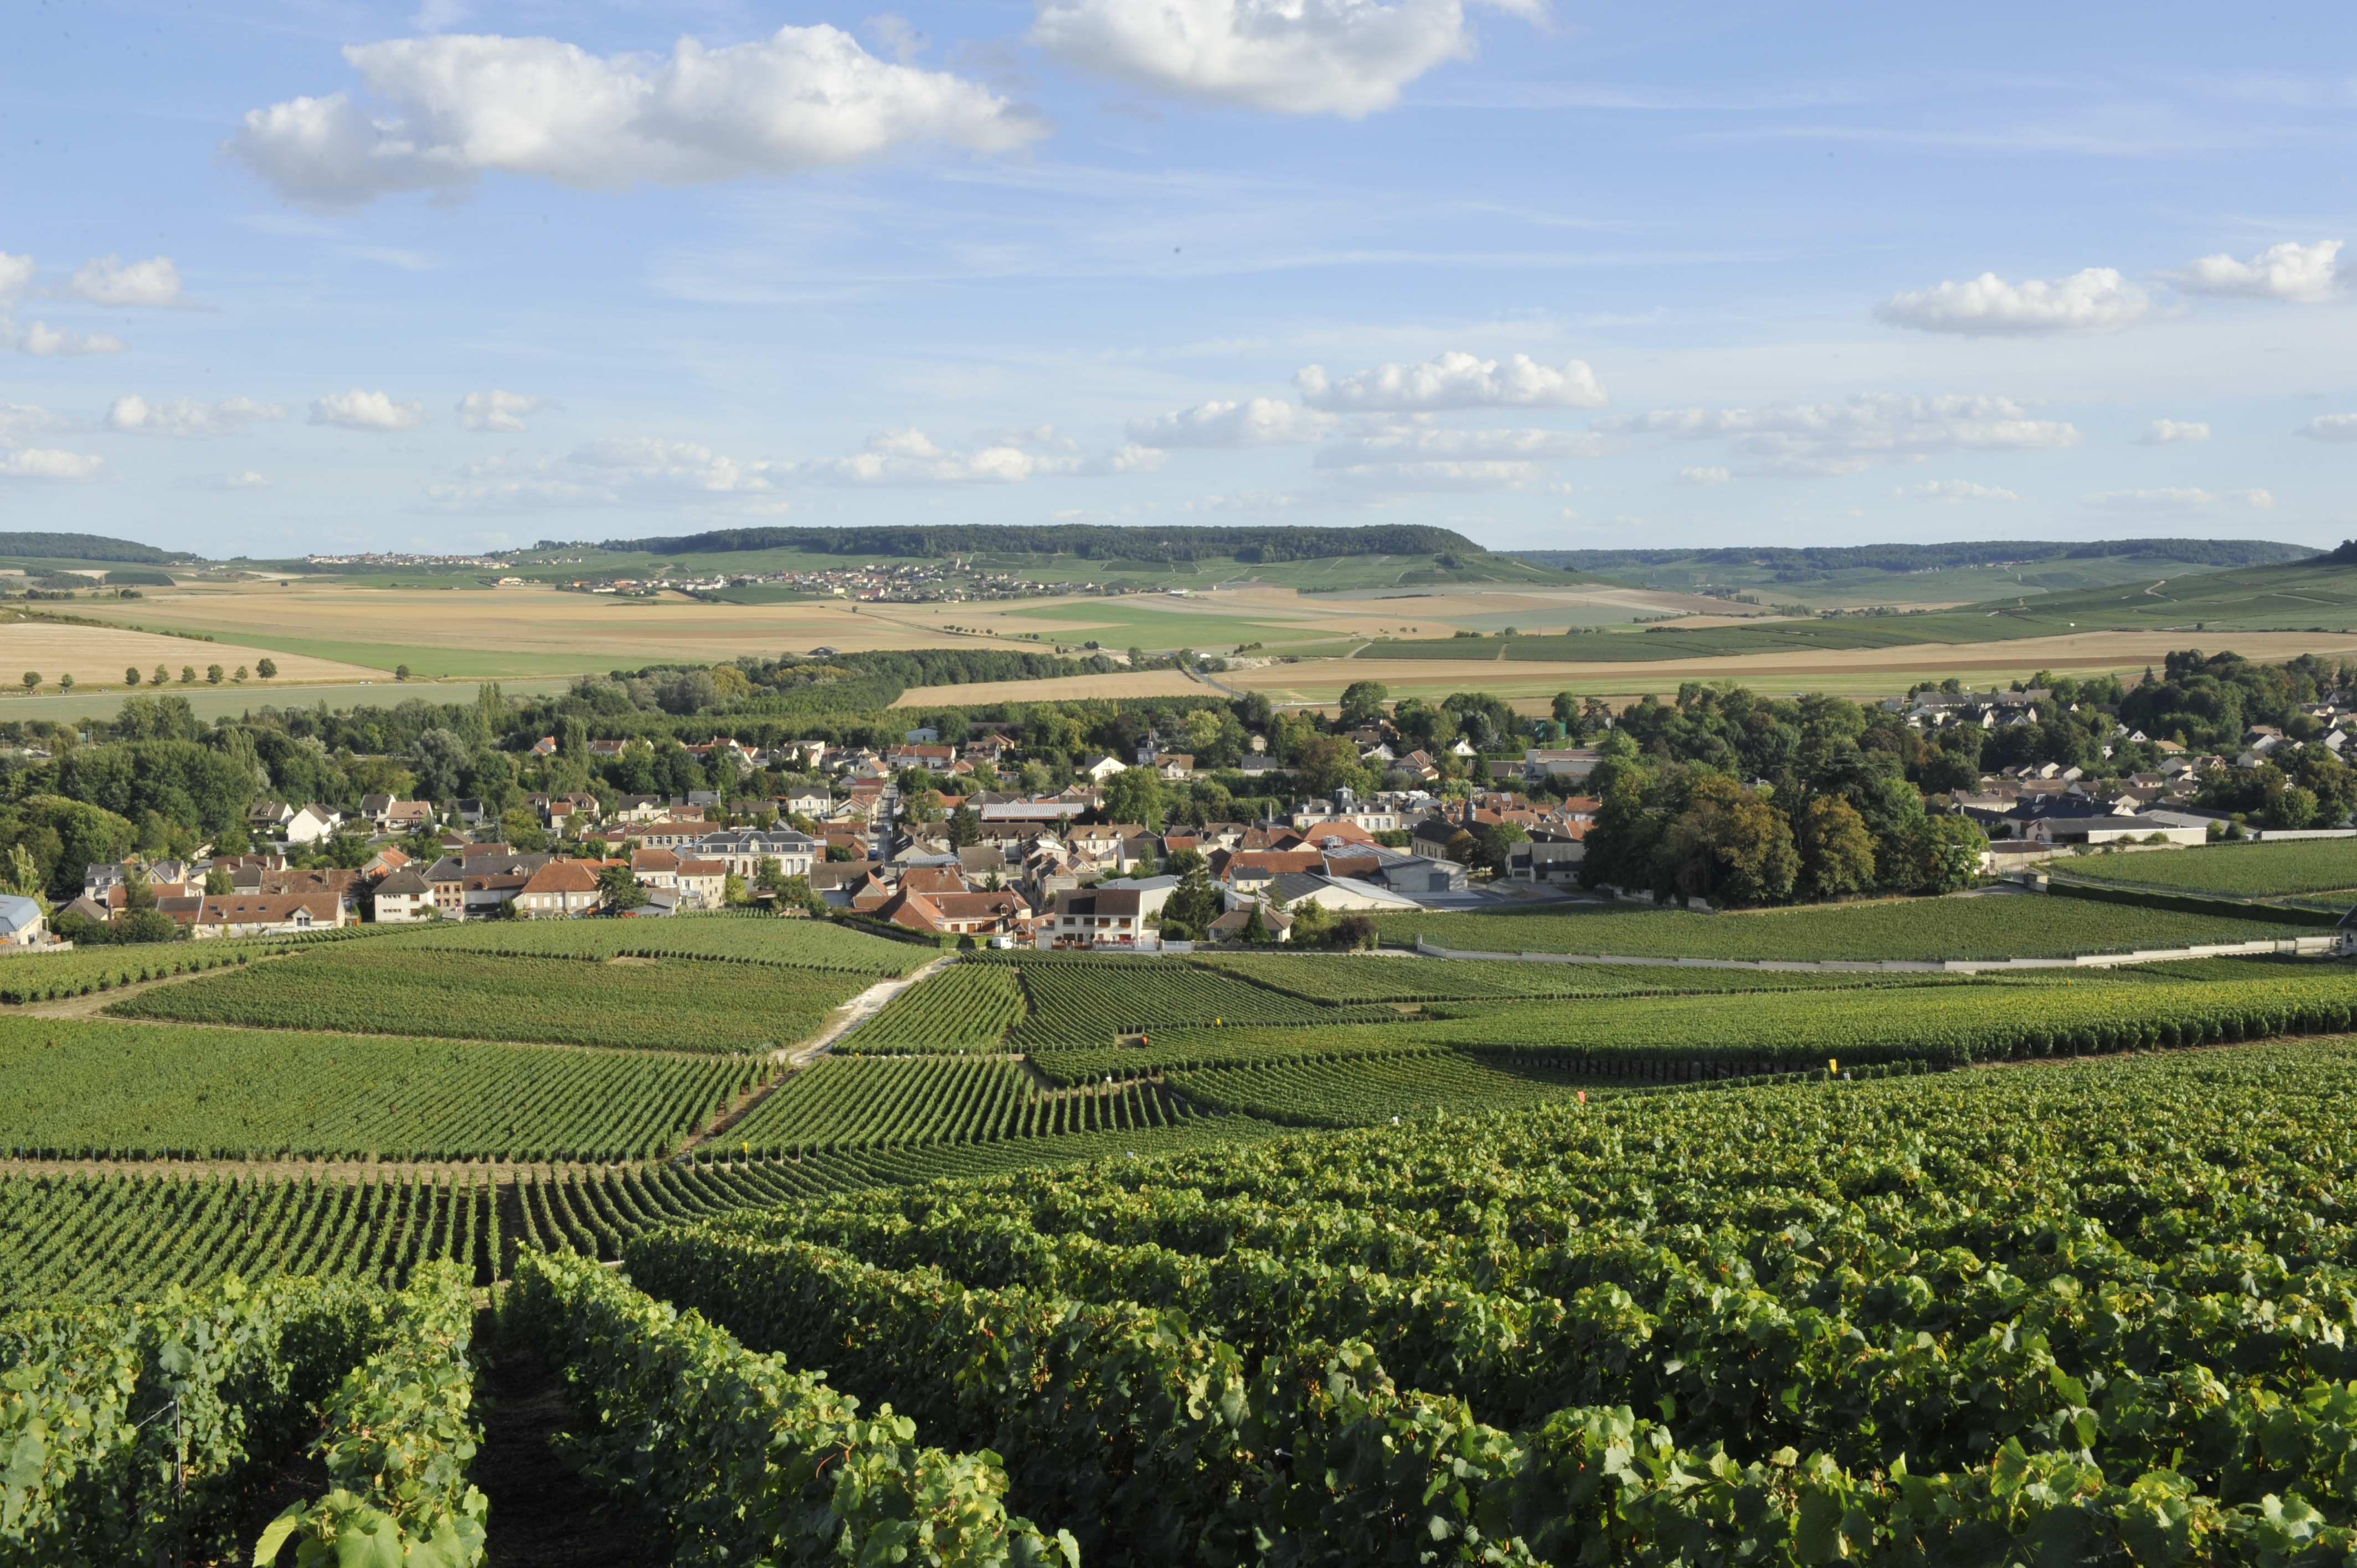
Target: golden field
97, 656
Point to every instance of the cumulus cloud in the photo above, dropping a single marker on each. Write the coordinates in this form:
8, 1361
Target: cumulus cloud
15, 272
47, 463
614, 470
111, 280
1257, 421
2331, 427
452, 107
2173, 432
1424, 444
1705, 476
496, 413
1348, 57
2179, 501
2095, 300
1953, 492
18, 418
134, 414
2303, 275
1453, 380
1831, 438
362, 410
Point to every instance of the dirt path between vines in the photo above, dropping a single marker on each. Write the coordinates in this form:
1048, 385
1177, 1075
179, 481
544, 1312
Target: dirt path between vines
90, 1003
796, 1058
544, 1514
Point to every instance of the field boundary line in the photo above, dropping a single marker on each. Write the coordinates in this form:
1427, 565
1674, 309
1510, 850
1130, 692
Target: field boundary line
2296, 947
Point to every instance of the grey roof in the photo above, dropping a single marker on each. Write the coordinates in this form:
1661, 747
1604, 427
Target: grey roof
19, 913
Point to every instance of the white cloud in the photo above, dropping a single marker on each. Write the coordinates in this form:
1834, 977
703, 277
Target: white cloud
2095, 300
1453, 380
1422, 444
1831, 438
15, 272
651, 461
135, 415
362, 410
1442, 475
1953, 492
496, 412
2173, 432
47, 341
244, 480
1349, 58
1244, 501
912, 458
896, 36
110, 280
458, 106
2179, 501
16, 418
1708, 476
2331, 427
1258, 421
47, 463
2303, 275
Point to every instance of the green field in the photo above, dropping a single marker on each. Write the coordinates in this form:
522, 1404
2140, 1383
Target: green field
966, 1007
1980, 927
235, 701
878, 1101
85, 1089
797, 944
405, 988
1360, 1092
2228, 871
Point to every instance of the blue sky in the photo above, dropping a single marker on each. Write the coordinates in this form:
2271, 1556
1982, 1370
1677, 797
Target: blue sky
454, 273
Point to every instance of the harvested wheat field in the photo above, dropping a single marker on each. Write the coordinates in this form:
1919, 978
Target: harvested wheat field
97, 656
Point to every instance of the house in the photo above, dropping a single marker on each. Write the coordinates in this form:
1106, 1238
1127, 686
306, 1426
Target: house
1106, 917
471, 885
1097, 769
742, 852
403, 896
22, 924
957, 914
545, 747
1230, 927
311, 823
560, 890
1341, 893
391, 815
655, 867
702, 884
933, 879
1174, 765
471, 810
812, 803
268, 817
932, 758
264, 914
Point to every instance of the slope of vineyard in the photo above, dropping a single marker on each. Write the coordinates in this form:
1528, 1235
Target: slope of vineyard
80, 1087
1913, 929
871, 1102
965, 1007
795, 943
670, 1004
1343, 980
1346, 1091
2071, 1315
1082, 1001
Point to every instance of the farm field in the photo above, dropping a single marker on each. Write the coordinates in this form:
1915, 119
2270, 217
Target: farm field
81, 1087
966, 1007
96, 656
796, 944
1356, 980
872, 1102
1081, 1002
401, 988
1359, 1092
1463, 1259
2229, 871
1991, 926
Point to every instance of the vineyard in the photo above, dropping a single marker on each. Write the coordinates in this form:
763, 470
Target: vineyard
2229, 871
871, 1102
671, 1003
1345, 1092
1341, 981
1082, 1001
1918, 929
78, 1088
966, 1007
53, 977
1513, 1339
72, 1236
796, 944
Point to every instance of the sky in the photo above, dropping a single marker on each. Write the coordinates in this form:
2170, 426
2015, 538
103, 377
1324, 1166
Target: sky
315, 276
